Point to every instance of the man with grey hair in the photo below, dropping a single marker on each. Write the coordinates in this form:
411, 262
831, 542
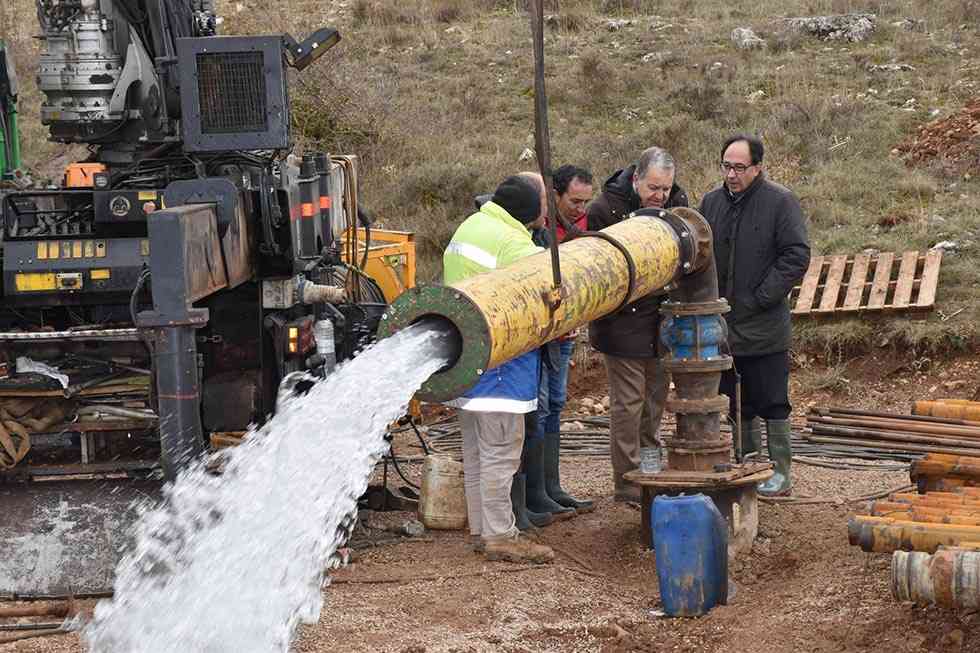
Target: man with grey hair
628, 338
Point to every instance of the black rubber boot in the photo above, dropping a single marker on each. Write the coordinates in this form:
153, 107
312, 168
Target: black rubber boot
539, 519
518, 502
781, 455
537, 495
552, 476
527, 521
751, 437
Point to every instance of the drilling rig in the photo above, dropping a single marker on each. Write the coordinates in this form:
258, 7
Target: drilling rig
190, 267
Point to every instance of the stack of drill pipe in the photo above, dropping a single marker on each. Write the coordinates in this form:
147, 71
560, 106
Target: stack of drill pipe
945, 473
932, 507
885, 534
960, 409
919, 522
908, 433
18, 630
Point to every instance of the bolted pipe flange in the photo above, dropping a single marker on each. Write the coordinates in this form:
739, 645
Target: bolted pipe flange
683, 445
462, 315
697, 406
716, 307
719, 364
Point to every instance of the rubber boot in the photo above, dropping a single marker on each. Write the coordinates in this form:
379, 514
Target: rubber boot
751, 437
537, 496
552, 476
781, 455
526, 521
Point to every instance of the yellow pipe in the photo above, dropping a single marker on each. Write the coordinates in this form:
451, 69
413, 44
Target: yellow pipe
948, 408
594, 277
884, 535
504, 313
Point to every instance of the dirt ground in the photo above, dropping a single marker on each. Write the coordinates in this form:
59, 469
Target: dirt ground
802, 588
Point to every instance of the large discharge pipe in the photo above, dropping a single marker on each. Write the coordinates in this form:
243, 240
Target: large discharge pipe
504, 313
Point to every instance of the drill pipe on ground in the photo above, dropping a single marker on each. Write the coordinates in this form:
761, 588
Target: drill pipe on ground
899, 425
895, 502
836, 411
888, 445
937, 465
917, 513
949, 578
46, 609
946, 500
938, 472
896, 436
960, 409
884, 535
911, 433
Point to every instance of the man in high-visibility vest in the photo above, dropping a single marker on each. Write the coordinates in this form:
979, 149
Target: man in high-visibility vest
491, 414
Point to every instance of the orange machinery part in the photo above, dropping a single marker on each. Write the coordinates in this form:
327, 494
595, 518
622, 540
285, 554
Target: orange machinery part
82, 175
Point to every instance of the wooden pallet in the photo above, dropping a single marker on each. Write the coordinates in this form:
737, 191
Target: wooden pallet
868, 283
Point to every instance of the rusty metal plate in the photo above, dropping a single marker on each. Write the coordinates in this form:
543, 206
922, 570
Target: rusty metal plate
65, 537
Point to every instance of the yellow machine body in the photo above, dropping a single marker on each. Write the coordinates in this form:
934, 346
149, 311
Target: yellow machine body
390, 259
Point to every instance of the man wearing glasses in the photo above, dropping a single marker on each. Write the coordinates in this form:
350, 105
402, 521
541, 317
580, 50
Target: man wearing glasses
628, 338
761, 252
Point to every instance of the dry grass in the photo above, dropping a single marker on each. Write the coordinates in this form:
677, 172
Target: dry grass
436, 97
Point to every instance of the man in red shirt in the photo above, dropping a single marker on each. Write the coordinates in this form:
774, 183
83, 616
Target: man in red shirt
573, 191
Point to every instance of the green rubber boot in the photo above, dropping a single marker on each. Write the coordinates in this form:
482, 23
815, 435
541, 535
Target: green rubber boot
751, 437
781, 455
552, 476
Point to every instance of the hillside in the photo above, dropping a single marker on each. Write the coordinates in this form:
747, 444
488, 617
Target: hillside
436, 97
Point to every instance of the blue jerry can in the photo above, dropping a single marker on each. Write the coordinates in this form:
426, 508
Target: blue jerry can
690, 538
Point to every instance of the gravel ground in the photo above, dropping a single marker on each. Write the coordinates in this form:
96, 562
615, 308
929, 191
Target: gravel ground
803, 588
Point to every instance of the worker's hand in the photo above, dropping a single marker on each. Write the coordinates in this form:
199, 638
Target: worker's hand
335, 295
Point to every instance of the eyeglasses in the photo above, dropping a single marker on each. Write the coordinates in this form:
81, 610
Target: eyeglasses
739, 168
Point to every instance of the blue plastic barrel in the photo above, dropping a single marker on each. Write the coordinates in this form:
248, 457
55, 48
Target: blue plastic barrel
690, 538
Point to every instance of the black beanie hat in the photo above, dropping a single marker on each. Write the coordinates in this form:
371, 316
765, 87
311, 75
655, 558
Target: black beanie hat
520, 197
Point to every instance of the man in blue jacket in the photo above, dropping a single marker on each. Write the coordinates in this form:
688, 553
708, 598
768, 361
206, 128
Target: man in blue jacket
492, 413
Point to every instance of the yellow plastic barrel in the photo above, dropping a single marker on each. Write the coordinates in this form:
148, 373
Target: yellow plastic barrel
442, 497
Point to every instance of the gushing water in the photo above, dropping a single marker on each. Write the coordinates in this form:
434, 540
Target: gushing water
236, 562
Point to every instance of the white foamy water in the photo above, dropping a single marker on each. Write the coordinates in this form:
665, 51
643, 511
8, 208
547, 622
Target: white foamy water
235, 563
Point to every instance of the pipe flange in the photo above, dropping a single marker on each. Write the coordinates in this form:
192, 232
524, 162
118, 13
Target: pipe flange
677, 442
685, 235
684, 366
709, 405
699, 451
465, 316
716, 307
700, 234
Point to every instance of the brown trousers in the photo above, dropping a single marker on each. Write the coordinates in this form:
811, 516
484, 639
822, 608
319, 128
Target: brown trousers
637, 392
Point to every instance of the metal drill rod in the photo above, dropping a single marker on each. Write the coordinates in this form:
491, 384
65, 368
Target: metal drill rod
542, 143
